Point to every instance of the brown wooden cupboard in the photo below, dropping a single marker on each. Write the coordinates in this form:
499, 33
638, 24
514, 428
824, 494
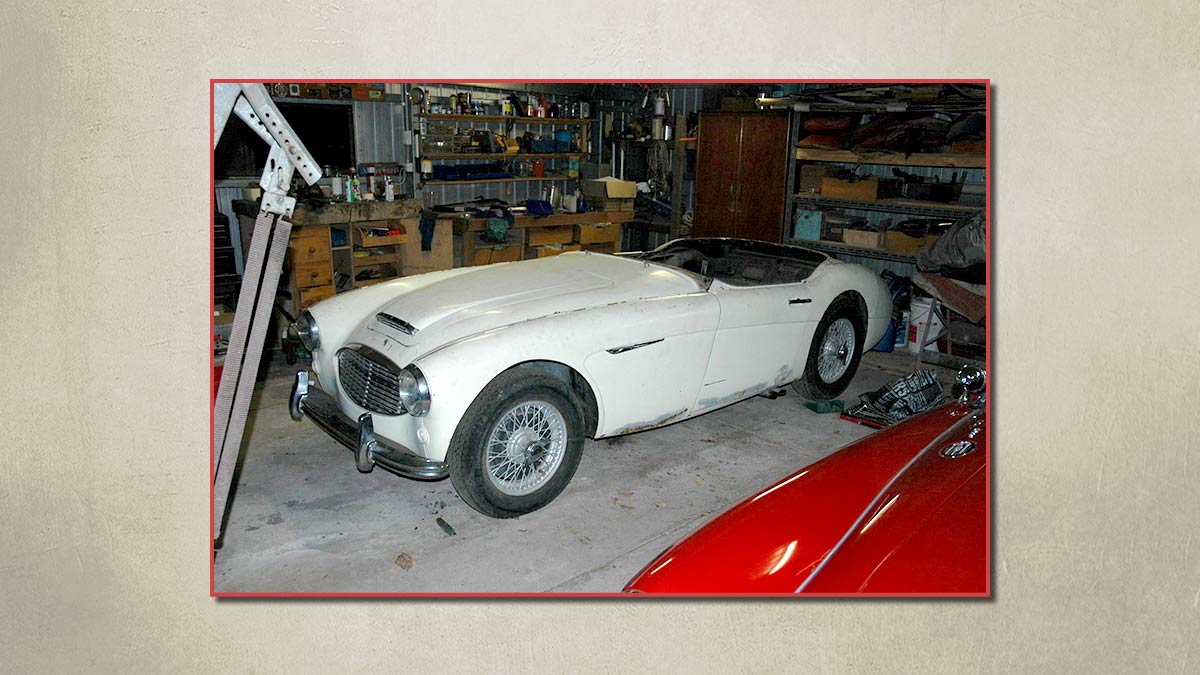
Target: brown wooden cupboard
742, 164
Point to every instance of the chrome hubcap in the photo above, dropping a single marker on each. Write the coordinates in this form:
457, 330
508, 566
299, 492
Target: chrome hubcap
526, 447
837, 350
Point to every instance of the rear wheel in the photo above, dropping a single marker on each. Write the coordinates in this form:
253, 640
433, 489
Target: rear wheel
518, 445
835, 352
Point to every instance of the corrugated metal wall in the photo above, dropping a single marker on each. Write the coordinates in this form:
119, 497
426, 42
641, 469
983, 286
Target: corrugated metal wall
378, 131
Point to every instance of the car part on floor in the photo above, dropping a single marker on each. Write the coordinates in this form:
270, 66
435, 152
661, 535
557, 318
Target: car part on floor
907, 396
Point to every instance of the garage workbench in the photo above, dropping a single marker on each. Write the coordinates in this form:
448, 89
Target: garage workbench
314, 264
541, 236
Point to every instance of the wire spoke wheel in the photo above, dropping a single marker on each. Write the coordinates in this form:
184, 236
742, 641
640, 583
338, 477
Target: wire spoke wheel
837, 350
525, 447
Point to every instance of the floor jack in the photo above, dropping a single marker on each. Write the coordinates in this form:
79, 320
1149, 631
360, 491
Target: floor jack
264, 263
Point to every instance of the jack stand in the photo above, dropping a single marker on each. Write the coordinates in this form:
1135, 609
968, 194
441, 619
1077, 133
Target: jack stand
774, 393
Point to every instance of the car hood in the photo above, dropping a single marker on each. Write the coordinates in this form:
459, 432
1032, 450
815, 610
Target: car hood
776, 539
506, 293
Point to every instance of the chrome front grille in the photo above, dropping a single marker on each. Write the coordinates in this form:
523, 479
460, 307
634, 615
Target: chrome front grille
370, 380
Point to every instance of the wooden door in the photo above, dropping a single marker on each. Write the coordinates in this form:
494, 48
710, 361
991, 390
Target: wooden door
762, 179
718, 159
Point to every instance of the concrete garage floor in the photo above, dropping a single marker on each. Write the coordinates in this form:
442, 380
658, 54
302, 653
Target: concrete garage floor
303, 519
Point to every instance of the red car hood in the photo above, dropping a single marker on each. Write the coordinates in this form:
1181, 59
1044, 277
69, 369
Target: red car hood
888, 513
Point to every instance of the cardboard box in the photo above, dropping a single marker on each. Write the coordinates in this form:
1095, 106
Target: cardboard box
554, 249
599, 234
861, 238
541, 236
810, 178
968, 147
899, 242
609, 188
864, 190
597, 204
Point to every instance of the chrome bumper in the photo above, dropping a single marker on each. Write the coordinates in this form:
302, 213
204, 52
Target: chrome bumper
369, 450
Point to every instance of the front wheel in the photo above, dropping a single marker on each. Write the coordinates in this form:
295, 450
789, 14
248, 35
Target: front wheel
518, 445
835, 351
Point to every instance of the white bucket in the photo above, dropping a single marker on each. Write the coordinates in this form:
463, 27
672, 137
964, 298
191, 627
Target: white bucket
918, 319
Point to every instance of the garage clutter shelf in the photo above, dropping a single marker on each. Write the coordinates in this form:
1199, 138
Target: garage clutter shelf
558, 172
876, 245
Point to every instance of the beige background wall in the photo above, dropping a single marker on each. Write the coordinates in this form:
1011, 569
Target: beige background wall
104, 294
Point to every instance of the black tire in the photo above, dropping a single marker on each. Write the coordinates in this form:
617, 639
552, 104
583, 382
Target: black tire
468, 447
811, 385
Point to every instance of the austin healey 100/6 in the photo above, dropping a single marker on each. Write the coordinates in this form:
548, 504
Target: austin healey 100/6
493, 375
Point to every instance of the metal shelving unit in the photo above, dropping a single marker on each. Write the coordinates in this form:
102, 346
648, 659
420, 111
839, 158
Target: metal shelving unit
901, 206
834, 247
509, 121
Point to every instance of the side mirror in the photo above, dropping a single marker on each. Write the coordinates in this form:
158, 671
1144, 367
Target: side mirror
970, 386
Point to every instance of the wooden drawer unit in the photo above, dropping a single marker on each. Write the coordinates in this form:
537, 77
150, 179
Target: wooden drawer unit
310, 250
541, 236
309, 244
499, 253
599, 234
311, 296
313, 274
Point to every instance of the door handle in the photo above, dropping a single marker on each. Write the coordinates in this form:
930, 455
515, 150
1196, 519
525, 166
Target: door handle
799, 301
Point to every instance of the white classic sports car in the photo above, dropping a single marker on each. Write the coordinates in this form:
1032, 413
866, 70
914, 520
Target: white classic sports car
493, 375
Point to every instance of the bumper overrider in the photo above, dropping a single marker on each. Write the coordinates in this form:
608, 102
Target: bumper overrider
369, 450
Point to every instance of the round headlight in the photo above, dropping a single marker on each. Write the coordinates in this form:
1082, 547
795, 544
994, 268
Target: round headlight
414, 391
306, 330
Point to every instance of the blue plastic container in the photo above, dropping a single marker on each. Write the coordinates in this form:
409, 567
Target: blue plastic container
888, 343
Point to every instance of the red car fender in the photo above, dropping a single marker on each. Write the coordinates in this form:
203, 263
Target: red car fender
772, 541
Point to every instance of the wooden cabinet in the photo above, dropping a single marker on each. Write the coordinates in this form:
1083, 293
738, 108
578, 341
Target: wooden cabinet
742, 162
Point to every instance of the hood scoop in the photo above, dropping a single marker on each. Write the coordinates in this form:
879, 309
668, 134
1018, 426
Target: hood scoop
396, 323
